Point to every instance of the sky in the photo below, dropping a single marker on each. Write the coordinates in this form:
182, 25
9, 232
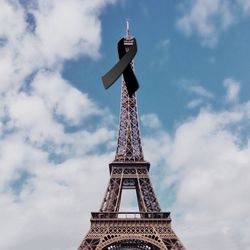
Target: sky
58, 125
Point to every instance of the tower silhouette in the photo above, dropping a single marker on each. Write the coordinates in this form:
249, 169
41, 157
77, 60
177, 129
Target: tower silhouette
148, 229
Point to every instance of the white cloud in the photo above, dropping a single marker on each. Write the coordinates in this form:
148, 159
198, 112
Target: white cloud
207, 161
62, 99
62, 30
67, 28
164, 43
54, 203
199, 90
199, 94
208, 18
30, 114
245, 4
232, 88
43, 162
193, 87
211, 192
150, 121
157, 146
194, 103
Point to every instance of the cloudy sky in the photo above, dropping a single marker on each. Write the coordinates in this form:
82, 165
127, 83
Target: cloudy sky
58, 125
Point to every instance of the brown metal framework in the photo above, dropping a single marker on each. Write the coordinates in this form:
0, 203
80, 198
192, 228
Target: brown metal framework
148, 229
129, 139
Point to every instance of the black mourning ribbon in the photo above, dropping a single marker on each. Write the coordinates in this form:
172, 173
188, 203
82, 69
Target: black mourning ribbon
123, 67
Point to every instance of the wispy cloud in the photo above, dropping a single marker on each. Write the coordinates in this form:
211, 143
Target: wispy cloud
201, 91
193, 86
199, 94
164, 43
207, 19
245, 4
232, 90
194, 103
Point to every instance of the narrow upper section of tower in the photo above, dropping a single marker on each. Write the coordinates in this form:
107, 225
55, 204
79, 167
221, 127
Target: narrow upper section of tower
129, 147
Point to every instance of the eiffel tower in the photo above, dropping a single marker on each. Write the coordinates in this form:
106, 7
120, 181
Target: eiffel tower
148, 229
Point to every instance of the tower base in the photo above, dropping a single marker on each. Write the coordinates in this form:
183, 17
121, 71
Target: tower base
148, 231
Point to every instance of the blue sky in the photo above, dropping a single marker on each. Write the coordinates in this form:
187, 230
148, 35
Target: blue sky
58, 125
167, 60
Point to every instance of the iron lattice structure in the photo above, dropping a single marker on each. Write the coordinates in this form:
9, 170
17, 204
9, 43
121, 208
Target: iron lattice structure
148, 229
129, 139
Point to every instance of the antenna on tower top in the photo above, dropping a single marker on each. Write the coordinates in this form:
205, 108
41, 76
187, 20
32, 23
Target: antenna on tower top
127, 28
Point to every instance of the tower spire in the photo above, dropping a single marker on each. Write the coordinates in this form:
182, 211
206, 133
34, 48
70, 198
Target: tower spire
127, 28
